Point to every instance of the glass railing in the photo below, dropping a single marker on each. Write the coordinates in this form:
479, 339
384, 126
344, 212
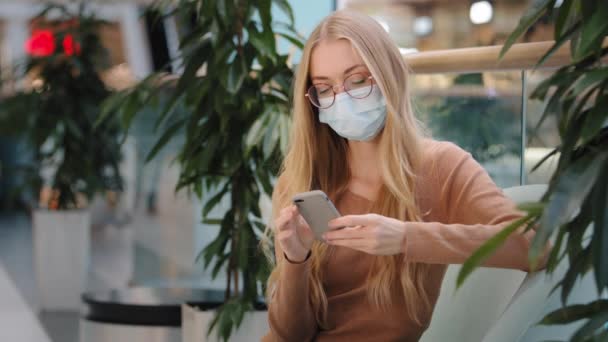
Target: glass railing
480, 112
470, 97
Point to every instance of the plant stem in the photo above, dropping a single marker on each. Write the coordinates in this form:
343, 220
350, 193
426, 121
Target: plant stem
227, 294
233, 242
236, 282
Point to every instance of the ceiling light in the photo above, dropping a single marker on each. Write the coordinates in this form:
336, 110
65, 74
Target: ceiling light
481, 12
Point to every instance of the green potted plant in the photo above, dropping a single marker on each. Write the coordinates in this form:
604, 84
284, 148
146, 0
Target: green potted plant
72, 158
234, 95
574, 210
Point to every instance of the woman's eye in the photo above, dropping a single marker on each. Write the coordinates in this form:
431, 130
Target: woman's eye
323, 90
359, 81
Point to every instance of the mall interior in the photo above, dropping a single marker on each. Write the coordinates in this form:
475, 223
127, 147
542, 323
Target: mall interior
113, 227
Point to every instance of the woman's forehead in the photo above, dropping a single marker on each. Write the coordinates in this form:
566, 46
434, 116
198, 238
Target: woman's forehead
330, 58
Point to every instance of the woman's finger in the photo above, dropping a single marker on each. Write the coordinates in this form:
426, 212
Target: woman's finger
353, 220
348, 233
283, 220
285, 235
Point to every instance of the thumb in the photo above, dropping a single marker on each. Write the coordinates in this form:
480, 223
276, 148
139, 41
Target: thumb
302, 222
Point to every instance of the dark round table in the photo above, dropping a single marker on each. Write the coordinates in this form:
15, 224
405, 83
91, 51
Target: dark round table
146, 306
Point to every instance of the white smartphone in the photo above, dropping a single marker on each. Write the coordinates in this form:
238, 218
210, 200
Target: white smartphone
317, 210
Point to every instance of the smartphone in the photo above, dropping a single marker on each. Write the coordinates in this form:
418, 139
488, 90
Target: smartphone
317, 210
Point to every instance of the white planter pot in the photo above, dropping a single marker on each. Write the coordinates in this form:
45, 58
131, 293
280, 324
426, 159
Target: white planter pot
62, 241
195, 324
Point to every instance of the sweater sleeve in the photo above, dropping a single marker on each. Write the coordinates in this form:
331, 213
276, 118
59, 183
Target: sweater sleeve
290, 313
475, 210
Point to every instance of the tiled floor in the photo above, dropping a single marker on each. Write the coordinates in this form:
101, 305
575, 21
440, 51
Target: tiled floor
16, 254
17, 321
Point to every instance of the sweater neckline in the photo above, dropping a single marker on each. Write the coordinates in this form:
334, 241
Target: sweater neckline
354, 194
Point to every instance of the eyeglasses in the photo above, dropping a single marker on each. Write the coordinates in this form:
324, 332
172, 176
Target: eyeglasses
323, 95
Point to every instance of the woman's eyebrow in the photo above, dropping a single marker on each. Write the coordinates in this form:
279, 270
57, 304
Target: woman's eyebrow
353, 68
349, 69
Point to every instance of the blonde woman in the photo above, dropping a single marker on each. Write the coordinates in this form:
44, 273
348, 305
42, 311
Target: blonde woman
412, 205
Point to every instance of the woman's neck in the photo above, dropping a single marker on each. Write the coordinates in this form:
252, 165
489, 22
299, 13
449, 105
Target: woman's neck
364, 164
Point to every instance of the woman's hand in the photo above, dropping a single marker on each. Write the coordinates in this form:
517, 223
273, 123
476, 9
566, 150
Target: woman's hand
293, 234
371, 233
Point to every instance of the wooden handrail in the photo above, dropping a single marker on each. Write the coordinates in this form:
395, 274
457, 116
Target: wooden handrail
479, 59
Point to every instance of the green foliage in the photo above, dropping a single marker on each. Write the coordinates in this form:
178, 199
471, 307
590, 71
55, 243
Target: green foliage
576, 203
57, 118
231, 104
489, 247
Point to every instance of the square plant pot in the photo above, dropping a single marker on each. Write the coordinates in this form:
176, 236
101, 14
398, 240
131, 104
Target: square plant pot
62, 249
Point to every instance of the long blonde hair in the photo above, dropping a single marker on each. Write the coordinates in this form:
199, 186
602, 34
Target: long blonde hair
317, 159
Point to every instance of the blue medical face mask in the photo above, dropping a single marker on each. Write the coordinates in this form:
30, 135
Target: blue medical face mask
355, 119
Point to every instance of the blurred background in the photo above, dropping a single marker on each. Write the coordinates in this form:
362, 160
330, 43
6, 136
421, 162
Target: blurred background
147, 235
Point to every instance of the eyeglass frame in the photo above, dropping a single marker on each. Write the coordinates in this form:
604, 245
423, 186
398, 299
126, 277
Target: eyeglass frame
370, 77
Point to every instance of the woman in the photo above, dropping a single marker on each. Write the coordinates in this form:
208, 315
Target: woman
412, 205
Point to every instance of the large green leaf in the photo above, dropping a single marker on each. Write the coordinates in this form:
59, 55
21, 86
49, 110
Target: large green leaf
566, 11
551, 107
219, 265
284, 129
571, 189
488, 248
557, 253
537, 9
225, 9
558, 43
590, 78
544, 159
264, 179
286, 8
216, 247
574, 313
195, 61
591, 327
576, 270
130, 108
74, 128
595, 120
562, 77
264, 9
257, 130
264, 41
593, 31
271, 138
576, 229
215, 199
237, 71
162, 141
169, 108
600, 236
110, 106
297, 41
